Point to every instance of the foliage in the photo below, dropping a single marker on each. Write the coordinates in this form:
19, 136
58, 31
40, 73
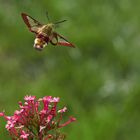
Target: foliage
99, 79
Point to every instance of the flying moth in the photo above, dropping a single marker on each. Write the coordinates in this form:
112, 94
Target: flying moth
45, 33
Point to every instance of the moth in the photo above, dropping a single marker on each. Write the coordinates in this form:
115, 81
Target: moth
45, 33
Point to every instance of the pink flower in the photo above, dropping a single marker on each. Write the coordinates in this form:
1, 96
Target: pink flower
47, 99
36, 118
29, 98
41, 128
62, 110
1, 114
24, 135
55, 100
71, 119
49, 118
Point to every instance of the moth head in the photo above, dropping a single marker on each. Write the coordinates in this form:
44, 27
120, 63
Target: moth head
39, 44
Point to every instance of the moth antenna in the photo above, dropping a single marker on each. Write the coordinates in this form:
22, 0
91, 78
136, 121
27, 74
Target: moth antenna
60, 21
47, 14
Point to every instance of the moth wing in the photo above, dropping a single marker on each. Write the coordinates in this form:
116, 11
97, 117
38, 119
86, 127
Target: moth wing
63, 41
31, 23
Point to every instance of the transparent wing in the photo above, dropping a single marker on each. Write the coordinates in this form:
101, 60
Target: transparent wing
62, 41
32, 24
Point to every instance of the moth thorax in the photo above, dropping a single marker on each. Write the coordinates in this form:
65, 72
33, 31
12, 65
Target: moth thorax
39, 44
46, 30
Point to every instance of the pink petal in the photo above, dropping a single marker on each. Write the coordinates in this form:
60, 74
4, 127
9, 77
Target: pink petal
29, 98
62, 110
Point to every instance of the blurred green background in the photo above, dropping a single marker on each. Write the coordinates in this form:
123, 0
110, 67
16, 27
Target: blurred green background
99, 80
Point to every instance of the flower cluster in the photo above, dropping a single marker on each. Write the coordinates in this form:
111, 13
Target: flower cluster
37, 119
